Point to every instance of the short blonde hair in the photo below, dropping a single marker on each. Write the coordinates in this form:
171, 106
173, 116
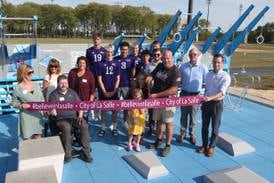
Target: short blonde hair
110, 47
21, 71
53, 61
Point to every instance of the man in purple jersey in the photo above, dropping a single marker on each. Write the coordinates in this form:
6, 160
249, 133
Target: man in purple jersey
96, 53
135, 56
108, 80
127, 67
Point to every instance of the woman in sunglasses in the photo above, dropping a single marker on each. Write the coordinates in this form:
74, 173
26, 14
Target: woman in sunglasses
27, 91
50, 80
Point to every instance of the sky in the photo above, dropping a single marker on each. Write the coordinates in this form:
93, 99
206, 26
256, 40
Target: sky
222, 13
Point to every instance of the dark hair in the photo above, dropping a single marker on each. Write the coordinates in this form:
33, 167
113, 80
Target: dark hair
82, 58
124, 43
217, 55
96, 35
61, 77
145, 52
155, 42
155, 50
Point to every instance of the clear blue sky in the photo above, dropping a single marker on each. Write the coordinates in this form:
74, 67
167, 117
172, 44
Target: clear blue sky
223, 13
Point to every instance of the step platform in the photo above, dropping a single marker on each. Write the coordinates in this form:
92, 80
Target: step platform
43, 174
234, 175
42, 152
233, 145
147, 164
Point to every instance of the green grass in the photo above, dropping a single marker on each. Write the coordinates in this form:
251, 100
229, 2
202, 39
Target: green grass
253, 55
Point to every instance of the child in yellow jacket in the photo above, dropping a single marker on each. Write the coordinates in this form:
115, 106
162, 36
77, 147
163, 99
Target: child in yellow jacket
136, 123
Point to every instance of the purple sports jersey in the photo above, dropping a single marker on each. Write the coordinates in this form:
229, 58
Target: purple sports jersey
95, 56
136, 60
109, 70
126, 70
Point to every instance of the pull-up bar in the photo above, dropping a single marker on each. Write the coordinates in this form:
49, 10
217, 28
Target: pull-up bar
34, 18
22, 34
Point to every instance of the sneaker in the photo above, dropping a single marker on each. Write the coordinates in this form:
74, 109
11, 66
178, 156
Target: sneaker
67, 159
137, 148
86, 157
75, 153
155, 145
166, 151
201, 149
210, 152
192, 140
115, 133
101, 133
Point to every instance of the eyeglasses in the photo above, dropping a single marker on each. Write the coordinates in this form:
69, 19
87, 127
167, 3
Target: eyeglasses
156, 54
30, 72
53, 66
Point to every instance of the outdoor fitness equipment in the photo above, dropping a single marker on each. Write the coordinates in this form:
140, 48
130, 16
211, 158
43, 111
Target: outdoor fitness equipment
21, 53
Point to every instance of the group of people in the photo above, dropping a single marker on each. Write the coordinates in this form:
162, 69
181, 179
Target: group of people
100, 75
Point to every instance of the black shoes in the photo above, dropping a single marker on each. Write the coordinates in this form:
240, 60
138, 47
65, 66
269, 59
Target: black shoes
155, 145
86, 157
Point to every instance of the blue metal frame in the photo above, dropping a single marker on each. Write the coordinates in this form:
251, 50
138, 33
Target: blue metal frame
162, 37
210, 40
225, 38
240, 38
173, 47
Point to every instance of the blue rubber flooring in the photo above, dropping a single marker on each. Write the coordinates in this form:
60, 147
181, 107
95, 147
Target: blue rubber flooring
253, 123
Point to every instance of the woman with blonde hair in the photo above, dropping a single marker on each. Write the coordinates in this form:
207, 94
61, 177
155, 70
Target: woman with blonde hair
27, 91
50, 80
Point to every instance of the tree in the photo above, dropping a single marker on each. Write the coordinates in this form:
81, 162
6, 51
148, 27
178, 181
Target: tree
163, 21
204, 33
129, 19
267, 31
81, 12
148, 21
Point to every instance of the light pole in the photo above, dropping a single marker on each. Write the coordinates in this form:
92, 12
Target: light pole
208, 5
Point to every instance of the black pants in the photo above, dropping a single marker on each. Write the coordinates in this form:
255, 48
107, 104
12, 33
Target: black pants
211, 112
66, 126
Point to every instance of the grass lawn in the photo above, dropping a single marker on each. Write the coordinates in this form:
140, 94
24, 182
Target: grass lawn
253, 55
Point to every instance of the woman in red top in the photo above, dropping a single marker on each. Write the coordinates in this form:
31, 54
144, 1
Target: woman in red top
82, 80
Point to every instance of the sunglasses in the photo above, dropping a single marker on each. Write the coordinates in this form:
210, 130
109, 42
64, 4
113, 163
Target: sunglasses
53, 66
30, 72
157, 54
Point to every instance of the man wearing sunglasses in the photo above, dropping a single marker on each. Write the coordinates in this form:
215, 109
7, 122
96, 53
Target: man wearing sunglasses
156, 59
193, 74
